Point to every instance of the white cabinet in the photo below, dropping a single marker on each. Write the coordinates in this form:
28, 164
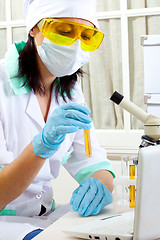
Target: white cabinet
151, 54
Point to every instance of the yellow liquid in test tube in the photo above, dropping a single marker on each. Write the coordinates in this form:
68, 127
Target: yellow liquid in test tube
87, 142
132, 187
87, 139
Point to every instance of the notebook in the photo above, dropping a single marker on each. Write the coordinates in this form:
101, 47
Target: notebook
144, 222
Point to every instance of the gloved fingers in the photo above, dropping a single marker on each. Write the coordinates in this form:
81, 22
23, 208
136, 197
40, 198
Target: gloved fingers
61, 130
76, 106
96, 201
98, 208
107, 199
78, 197
74, 195
79, 194
61, 120
57, 135
88, 203
77, 123
104, 202
77, 115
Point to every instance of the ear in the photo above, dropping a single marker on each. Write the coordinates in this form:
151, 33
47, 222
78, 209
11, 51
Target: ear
33, 31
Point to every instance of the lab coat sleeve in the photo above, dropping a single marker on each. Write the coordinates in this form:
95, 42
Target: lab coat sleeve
79, 165
6, 157
17, 231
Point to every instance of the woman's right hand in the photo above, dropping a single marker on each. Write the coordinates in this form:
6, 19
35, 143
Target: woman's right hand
67, 118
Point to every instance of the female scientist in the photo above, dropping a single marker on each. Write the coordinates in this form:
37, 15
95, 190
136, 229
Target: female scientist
42, 119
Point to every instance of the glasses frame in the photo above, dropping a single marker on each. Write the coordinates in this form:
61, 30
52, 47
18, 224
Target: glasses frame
80, 27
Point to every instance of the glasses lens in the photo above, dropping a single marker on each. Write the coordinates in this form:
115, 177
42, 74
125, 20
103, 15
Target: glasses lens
91, 39
59, 32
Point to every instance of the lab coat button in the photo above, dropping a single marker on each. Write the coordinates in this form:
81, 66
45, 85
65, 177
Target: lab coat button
38, 196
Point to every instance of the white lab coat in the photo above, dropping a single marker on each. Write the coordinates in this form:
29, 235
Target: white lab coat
20, 120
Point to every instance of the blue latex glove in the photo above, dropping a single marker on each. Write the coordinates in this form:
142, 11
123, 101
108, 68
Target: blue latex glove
67, 118
90, 197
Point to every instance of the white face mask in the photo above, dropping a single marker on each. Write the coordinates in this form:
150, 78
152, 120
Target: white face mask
62, 60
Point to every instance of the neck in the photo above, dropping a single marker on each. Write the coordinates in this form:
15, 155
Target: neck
47, 77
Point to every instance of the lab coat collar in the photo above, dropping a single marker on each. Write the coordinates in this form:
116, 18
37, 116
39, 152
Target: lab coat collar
33, 110
12, 66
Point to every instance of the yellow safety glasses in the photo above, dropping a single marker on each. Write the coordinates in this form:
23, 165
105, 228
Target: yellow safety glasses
65, 33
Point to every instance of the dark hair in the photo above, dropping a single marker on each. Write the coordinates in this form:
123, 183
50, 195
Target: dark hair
28, 67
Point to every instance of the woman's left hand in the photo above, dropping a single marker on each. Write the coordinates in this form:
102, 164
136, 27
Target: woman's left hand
90, 197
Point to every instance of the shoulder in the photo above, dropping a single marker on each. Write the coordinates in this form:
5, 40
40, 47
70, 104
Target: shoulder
3, 69
9, 67
5, 85
77, 93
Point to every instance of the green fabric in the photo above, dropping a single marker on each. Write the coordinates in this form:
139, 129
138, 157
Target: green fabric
65, 159
7, 212
20, 45
2, 210
53, 204
88, 171
12, 67
1, 168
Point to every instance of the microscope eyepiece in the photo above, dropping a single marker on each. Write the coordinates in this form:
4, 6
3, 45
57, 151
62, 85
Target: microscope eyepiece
116, 97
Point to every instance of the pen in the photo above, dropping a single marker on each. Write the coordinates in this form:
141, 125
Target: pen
110, 217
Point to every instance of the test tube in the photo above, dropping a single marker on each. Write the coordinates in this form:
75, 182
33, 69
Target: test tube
124, 173
87, 142
132, 187
87, 139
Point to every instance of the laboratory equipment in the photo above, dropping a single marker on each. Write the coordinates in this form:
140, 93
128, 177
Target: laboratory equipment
151, 130
87, 139
87, 142
125, 184
151, 122
132, 187
151, 59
